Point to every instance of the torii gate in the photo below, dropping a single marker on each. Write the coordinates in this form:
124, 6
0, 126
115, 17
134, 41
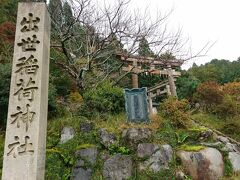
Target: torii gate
134, 63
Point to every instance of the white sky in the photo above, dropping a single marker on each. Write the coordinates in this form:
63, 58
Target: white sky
203, 21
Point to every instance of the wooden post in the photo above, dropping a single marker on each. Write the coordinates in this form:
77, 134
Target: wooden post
134, 76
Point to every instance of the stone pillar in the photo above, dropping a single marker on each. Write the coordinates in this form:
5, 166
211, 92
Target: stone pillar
25, 142
171, 82
134, 76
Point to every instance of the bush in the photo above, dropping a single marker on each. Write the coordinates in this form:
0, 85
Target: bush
176, 111
104, 99
232, 89
228, 107
231, 127
209, 95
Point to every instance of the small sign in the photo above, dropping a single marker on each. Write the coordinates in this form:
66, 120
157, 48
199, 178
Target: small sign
136, 105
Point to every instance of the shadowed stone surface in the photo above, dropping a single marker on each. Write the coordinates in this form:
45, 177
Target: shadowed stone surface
206, 164
86, 127
82, 174
118, 167
89, 154
85, 156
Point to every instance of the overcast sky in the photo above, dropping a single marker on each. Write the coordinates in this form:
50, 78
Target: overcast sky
204, 21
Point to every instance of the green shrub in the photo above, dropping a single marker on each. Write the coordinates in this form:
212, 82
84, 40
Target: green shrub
228, 107
104, 99
176, 111
116, 149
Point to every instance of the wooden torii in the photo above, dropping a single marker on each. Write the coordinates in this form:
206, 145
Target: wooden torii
166, 68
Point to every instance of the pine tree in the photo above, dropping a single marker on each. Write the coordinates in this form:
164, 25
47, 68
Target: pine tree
55, 9
67, 14
144, 49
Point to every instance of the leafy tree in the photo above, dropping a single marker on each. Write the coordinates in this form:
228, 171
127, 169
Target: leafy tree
186, 86
206, 73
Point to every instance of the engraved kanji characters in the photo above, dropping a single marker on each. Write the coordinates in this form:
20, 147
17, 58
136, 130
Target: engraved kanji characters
30, 24
26, 90
29, 44
16, 148
25, 117
27, 65
26, 71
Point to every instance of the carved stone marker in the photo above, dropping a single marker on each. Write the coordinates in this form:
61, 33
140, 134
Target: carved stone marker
136, 105
24, 153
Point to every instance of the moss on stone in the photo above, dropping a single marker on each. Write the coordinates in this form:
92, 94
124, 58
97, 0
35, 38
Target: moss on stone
85, 146
194, 148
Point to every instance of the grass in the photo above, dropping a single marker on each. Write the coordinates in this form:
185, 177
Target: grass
229, 126
116, 123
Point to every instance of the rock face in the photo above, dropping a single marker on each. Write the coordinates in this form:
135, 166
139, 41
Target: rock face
158, 156
89, 154
206, 134
134, 136
86, 127
82, 174
106, 138
229, 147
222, 139
118, 167
207, 164
234, 158
85, 156
67, 133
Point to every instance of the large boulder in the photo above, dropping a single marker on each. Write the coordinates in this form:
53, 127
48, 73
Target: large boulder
205, 164
134, 136
106, 138
158, 156
234, 158
118, 167
67, 133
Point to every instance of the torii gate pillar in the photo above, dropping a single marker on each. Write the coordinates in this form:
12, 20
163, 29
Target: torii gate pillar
134, 76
